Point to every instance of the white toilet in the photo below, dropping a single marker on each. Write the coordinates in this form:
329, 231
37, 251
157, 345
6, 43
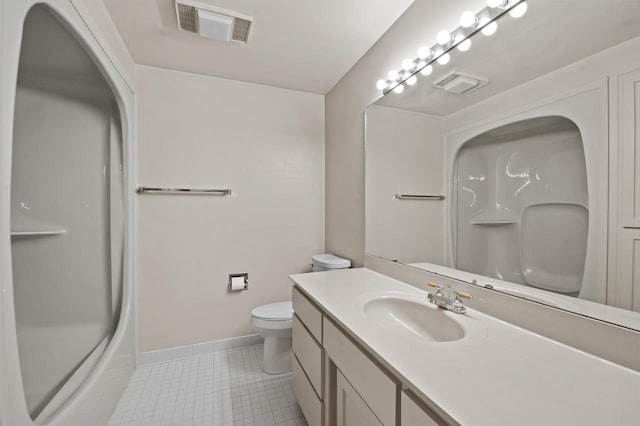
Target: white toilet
328, 262
273, 321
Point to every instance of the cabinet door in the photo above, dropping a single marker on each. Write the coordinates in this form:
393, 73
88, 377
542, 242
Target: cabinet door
630, 148
351, 410
309, 402
413, 414
629, 285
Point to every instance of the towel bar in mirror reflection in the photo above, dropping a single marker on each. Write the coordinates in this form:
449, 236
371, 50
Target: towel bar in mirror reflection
419, 197
182, 191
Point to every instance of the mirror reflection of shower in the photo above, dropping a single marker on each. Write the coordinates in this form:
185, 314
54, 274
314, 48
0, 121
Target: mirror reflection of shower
66, 211
520, 205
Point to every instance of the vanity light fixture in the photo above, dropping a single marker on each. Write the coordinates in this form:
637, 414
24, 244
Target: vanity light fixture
444, 59
444, 37
408, 64
468, 19
497, 3
425, 52
489, 27
426, 70
470, 23
519, 10
463, 43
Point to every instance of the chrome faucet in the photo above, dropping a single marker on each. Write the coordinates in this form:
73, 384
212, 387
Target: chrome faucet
439, 299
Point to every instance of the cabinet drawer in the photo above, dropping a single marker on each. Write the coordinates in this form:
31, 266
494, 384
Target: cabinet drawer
309, 354
376, 389
308, 313
413, 413
309, 402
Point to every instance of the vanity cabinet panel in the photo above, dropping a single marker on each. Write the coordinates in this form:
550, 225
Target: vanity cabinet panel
376, 388
309, 402
630, 148
413, 413
629, 286
351, 410
309, 354
308, 313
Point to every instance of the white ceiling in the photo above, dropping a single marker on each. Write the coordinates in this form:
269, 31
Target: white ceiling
305, 45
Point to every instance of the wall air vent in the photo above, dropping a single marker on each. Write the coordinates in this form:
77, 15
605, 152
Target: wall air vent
460, 83
213, 22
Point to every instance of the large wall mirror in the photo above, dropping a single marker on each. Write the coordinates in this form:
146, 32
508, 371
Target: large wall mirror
515, 165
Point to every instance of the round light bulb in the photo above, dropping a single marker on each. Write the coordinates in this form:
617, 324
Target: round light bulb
393, 75
489, 29
424, 52
497, 3
398, 89
427, 70
412, 80
443, 37
407, 64
519, 10
468, 19
464, 45
381, 84
444, 59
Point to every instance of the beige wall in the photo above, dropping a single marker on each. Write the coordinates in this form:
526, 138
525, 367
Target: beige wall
404, 156
267, 145
344, 115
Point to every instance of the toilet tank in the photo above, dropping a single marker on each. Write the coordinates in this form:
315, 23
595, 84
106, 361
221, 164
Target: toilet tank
329, 262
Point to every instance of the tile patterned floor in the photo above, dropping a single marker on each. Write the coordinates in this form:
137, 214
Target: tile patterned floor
220, 389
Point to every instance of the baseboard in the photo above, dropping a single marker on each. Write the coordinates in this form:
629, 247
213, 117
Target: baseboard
180, 352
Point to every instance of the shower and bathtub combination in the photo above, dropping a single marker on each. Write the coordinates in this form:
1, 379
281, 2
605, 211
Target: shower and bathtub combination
66, 311
527, 203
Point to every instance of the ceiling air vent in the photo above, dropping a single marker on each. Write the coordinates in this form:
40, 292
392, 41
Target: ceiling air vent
213, 22
460, 83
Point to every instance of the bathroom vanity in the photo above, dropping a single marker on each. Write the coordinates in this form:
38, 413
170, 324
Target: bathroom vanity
371, 350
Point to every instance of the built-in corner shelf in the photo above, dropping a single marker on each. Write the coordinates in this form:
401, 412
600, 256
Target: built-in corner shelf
37, 233
494, 216
29, 227
493, 222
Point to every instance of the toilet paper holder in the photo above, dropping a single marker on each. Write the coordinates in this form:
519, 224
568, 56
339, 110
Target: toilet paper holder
239, 282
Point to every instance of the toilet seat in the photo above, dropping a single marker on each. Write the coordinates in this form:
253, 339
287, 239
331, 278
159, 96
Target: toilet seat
263, 324
279, 311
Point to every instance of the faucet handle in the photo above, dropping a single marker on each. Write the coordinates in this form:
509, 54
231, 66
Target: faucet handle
457, 305
434, 285
461, 295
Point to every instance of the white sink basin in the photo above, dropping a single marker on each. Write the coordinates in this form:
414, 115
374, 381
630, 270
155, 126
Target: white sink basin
408, 316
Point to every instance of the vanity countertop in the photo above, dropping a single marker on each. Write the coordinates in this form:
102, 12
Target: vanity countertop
500, 375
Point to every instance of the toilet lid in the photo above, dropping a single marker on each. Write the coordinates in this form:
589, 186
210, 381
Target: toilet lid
330, 261
280, 311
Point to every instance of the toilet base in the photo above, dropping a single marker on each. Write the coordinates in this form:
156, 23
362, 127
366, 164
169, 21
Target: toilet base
276, 358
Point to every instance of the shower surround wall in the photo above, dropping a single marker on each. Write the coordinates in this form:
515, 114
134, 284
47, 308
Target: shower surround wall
521, 205
67, 239
267, 145
68, 334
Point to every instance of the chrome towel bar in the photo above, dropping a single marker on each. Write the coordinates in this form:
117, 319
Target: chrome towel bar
418, 197
182, 191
